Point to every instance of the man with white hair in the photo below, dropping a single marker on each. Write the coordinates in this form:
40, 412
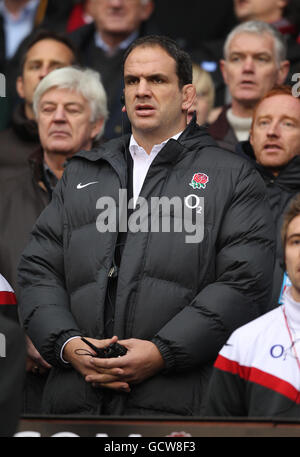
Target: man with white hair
102, 44
44, 52
283, 15
71, 109
254, 61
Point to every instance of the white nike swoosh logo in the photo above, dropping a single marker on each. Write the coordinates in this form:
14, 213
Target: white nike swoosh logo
81, 186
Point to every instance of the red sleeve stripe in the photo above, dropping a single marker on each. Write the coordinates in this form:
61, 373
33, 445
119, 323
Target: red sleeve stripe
7, 298
258, 377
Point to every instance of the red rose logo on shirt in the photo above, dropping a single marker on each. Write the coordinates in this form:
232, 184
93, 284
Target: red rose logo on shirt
199, 181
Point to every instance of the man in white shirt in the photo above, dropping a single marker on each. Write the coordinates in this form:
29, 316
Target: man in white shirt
169, 300
257, 372
102, 44
18, 21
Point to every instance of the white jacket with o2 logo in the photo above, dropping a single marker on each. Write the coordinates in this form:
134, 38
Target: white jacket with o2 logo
257, 372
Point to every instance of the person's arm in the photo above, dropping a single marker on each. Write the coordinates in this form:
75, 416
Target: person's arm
227, 389
240, 292
226, 395
43, 303
244, 260
35, 361
12, 375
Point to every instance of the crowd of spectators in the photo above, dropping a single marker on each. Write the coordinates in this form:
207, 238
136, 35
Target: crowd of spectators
63, 65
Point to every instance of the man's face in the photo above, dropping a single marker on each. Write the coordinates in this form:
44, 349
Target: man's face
250, 68
263, 10
43, 57
275, 135
119, 17
64, 122
292, 255
155, 104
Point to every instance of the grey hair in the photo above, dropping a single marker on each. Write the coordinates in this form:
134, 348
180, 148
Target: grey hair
258, 28
85, 81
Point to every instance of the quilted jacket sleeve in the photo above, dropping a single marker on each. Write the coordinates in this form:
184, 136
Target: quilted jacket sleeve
243, 280
41, 279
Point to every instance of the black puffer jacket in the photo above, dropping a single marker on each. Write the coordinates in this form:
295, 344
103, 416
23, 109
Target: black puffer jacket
187, 298
280, 190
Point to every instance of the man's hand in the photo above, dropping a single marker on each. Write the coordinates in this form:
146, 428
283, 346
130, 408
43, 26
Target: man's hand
35, 362
142, 361
79, 354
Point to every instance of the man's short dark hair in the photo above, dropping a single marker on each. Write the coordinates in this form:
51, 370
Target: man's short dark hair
184, 69
43, 34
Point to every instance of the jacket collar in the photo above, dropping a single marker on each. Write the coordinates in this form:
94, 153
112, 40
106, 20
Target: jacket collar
195, 133
116, 151
25, 128
288, 177
36, 163
42, 174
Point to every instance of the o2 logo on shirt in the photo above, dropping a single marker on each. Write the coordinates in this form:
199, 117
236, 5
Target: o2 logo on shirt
277, 351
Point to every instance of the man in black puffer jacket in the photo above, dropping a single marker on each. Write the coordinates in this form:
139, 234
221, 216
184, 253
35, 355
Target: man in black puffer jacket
274, 149
171, 298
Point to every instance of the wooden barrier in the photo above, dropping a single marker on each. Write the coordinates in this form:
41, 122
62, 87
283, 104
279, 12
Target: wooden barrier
157, 427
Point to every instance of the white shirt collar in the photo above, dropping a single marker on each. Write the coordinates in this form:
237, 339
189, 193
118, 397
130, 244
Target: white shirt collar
136, 149
292, 309
30, 7
142, 162
108, 49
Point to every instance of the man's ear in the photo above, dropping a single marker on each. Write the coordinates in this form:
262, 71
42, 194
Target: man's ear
283, 71
20, 86
223, 70
97, 125
251, 137
146, 10
123, 102
282, 3
189, 95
